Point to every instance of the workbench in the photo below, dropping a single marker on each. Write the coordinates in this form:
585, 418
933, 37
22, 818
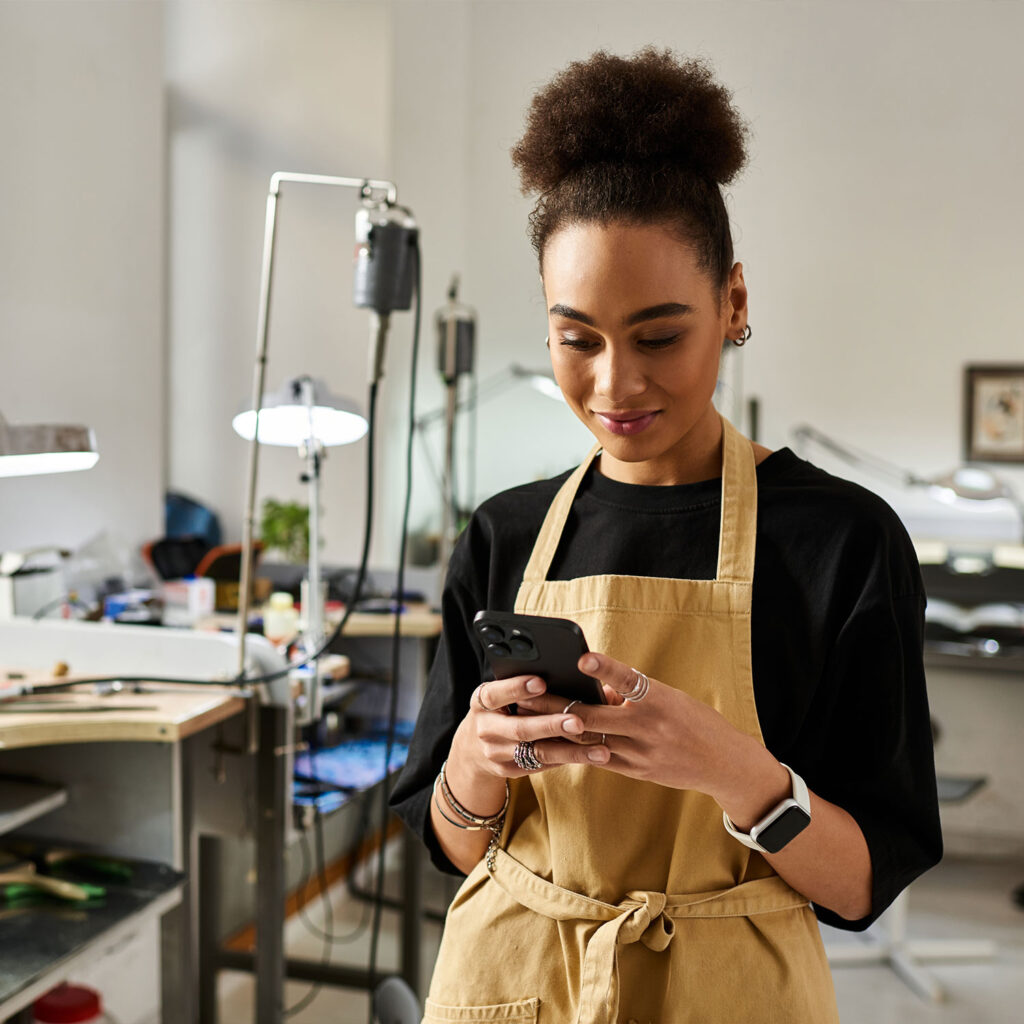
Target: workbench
125, 789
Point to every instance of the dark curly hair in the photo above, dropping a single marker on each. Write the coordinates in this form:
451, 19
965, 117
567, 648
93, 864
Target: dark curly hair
643, 139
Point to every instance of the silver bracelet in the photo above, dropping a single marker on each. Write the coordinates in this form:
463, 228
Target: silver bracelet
475, 822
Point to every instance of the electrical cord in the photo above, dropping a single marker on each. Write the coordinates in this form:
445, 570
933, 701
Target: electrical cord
325, 956
397, 635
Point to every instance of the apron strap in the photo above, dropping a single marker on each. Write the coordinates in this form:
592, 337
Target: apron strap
641, 917
554, 523
738, 530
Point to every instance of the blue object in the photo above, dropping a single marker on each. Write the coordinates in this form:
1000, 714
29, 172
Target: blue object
352, 766
185, 517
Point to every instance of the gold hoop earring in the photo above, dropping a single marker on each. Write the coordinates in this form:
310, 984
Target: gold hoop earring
743, 338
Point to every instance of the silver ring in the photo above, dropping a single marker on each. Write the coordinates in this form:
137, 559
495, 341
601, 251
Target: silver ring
639, 691
524, 757
480, 700
604, 740
565, 710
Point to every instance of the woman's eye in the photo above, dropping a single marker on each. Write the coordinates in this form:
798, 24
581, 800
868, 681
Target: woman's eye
580, 344
662, 342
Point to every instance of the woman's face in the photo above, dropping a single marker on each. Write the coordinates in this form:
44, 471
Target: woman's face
636, 331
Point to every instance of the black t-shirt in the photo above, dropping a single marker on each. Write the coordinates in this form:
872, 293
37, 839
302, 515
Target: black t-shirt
837, 621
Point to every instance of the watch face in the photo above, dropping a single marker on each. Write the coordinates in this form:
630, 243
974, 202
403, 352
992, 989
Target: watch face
790, 822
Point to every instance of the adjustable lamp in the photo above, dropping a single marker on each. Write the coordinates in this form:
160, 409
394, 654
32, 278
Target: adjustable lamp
386, 236
964, 484
303, 414
45, 448
285, 419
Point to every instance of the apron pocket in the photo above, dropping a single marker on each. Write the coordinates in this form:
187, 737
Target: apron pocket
524, 1011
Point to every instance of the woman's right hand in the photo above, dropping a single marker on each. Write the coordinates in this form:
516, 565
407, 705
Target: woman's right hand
490, 733
481, 761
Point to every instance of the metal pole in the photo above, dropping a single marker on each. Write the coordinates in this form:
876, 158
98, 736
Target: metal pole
314, 612
271, 804
448, 524
366, 186
258, 377
412, 910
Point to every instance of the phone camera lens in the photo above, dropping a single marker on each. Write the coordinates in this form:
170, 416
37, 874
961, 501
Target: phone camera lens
492, 634
521, 645
499, 650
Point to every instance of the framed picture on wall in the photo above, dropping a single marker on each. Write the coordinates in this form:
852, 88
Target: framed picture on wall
994, 413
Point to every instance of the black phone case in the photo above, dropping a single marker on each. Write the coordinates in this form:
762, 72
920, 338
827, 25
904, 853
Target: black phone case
518, 645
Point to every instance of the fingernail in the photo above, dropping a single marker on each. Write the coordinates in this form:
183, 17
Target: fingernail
589, 663
597, 754
535, 686
572, 725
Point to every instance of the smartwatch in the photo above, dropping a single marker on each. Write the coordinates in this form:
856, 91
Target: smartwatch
784, 821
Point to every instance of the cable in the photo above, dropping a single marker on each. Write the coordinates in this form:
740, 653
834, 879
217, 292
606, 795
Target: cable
325, 957
331, 936
396, 637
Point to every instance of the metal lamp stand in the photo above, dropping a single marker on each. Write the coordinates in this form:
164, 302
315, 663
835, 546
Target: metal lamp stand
312, 607
275, 720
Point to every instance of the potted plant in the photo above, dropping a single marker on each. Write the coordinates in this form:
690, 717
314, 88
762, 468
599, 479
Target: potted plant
284, 527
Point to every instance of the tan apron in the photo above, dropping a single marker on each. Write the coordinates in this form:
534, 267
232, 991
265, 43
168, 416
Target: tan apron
617, 901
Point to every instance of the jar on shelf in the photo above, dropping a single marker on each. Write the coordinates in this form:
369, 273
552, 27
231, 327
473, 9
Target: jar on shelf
70, 1004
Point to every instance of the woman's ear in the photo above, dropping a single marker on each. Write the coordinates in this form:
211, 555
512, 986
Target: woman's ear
735, 304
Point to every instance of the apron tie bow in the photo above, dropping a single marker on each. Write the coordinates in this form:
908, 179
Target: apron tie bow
647, 921
646, 917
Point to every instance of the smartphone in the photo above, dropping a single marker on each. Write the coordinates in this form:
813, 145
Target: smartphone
519, 645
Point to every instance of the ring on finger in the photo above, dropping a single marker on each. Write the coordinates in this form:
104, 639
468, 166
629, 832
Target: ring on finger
639, 691
525, 757
565, 710
480, 700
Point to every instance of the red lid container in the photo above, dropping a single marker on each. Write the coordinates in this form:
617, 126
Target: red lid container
68, 1004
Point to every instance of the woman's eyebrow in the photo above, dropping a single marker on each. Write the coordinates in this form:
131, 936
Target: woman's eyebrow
640, 316
657, 312
560, 309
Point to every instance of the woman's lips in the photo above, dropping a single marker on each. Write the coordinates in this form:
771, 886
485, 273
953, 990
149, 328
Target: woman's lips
627, 423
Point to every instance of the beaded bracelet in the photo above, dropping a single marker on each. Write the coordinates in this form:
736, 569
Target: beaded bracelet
476, 822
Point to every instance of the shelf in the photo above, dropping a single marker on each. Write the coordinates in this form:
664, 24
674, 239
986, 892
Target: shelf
22, 801
48, 941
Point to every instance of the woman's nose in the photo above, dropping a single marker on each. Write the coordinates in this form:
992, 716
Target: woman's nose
618, 377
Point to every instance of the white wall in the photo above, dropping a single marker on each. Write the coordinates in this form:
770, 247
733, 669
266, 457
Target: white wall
879, 221
81, 261
256, 88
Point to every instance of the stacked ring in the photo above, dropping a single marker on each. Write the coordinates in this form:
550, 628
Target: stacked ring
525, 758
639, 691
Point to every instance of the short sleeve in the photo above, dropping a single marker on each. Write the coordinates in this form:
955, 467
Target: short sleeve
876, 761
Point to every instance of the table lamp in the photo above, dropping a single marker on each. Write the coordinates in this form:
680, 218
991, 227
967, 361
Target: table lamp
304, 414
32, 449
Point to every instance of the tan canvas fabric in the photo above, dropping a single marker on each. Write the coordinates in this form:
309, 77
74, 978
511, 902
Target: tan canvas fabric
618, 901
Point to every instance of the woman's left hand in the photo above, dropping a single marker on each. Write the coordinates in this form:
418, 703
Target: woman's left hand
667, 737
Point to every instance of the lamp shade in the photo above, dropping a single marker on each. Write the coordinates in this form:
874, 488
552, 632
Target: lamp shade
285, 418
37, 448
971, 483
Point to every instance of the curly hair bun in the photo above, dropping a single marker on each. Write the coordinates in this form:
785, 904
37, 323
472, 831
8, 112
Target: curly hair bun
651, 108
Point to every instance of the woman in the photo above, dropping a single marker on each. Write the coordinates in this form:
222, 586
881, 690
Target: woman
756, 625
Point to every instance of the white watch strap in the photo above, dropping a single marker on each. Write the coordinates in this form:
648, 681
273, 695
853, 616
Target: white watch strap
799, 795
